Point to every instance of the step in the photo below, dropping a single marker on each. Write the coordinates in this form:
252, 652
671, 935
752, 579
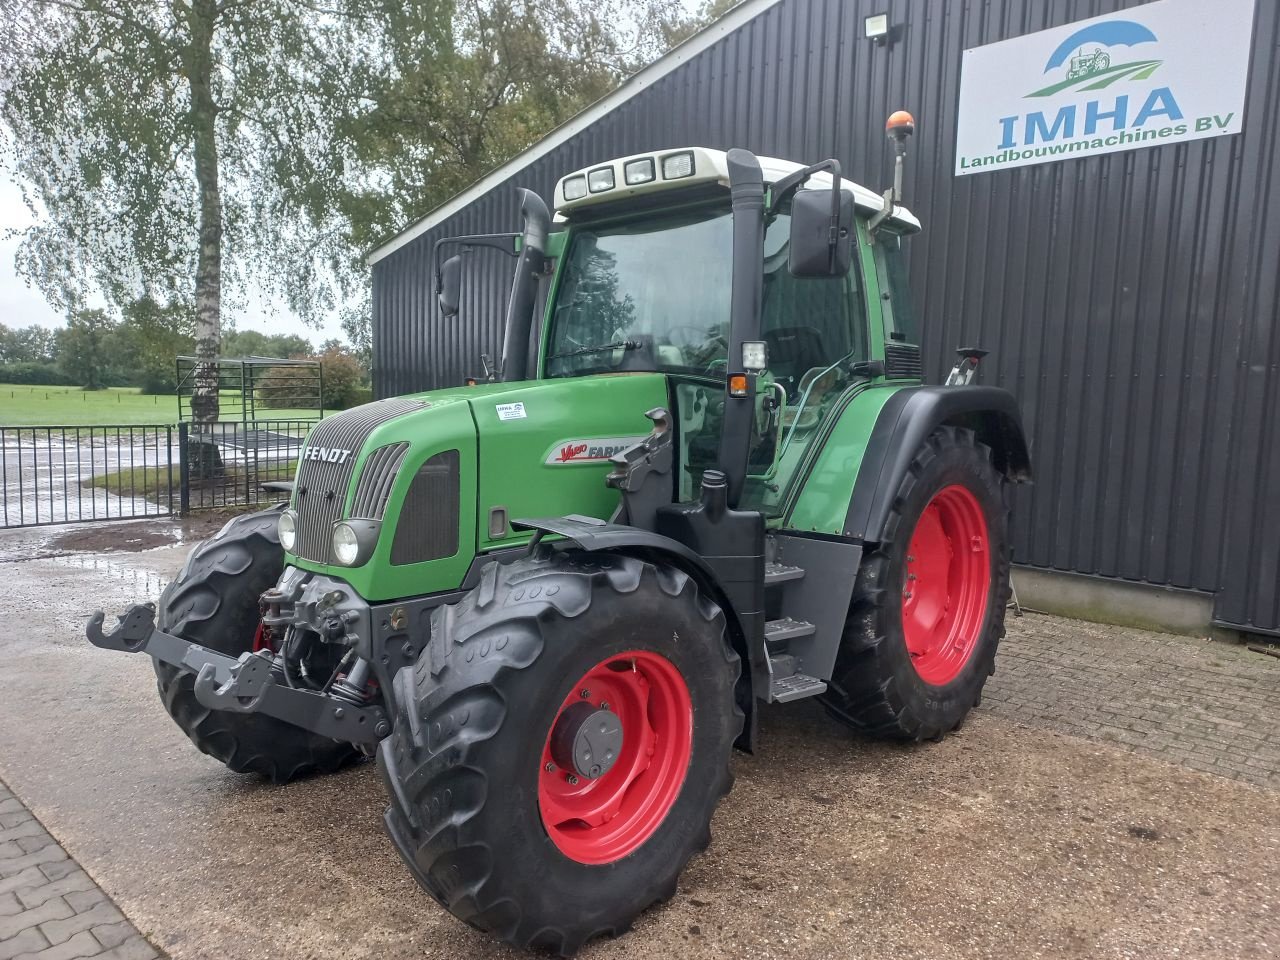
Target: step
786, 629
780, 573
795, 687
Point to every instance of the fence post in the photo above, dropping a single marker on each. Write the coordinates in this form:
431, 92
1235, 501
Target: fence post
184, 471
168, 464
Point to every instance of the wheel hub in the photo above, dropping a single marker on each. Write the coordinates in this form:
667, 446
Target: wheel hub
615, 756
586, 739
946, 584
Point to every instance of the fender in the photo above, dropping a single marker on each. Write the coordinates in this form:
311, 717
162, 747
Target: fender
597, 536
906, 421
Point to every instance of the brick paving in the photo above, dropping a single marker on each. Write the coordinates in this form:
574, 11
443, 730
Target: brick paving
50, 909
1201, 703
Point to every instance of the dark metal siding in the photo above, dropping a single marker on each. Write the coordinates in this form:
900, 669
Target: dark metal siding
1130, 301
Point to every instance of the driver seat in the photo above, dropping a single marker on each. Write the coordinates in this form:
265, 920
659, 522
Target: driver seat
819, 381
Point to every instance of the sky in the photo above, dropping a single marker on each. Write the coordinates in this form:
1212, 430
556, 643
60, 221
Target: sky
21, 306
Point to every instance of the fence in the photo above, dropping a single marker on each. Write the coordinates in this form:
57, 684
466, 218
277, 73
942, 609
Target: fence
67, 474
243, 386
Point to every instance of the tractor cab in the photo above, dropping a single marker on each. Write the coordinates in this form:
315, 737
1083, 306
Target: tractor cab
760, 319
645, 282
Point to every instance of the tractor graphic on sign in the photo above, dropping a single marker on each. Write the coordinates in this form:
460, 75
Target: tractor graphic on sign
1087, 64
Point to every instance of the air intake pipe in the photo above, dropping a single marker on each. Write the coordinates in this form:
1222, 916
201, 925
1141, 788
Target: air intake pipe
524, 288
746, 191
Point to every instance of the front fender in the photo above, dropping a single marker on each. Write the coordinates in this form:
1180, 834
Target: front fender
596, 536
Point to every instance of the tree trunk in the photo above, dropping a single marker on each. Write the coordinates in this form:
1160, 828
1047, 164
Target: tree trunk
204, 113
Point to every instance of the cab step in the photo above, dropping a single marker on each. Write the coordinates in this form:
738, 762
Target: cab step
778, 633
775, 573
795, 687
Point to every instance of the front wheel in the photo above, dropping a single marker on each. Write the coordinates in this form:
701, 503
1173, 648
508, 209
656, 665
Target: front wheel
929, 603
561, 745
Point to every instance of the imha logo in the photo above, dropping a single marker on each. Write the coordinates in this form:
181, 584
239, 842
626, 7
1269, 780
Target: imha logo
1092, 69
1095, 123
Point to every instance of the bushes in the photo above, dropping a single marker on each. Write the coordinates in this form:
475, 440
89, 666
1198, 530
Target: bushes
295, 386
36, 374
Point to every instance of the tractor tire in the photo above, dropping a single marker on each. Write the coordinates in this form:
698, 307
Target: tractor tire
214, 602
484, 806
929, 603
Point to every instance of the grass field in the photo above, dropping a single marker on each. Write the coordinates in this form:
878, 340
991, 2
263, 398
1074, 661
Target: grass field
152, 483
22, 405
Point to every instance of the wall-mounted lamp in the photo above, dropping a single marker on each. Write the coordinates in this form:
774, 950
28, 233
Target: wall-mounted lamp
876, 27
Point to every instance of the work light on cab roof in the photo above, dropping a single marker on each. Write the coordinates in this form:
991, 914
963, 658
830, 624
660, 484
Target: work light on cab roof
645, 173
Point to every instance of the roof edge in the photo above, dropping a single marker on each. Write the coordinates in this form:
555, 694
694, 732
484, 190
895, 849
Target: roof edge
638, 82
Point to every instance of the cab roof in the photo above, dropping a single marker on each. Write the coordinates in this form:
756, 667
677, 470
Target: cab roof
612, 181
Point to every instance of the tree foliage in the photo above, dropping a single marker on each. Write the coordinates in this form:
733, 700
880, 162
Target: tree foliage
180, 152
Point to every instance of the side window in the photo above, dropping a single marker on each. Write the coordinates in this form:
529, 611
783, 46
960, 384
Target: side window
899, 316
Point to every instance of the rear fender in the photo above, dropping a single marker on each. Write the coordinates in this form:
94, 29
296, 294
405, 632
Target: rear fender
596, 536
906, 421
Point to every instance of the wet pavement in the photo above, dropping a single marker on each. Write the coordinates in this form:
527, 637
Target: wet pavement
1008, 839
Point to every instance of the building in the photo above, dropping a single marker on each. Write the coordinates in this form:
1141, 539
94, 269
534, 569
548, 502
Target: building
1129, 298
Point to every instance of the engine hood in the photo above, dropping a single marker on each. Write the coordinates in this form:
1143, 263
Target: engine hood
444, 472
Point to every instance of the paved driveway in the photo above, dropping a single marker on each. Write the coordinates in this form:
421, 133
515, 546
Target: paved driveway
1042, 829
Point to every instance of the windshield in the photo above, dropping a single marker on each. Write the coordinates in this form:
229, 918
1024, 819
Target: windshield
645, 295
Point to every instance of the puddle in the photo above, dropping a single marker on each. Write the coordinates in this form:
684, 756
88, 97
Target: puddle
142, 584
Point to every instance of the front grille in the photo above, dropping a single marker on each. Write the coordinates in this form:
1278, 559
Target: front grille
902, 361
428, 524
321, 486
376, 478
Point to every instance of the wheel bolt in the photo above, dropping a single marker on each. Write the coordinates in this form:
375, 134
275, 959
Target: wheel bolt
572, 780
604, 704
550, 768
584, 693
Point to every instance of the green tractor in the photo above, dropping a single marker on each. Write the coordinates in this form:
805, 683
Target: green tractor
703, 477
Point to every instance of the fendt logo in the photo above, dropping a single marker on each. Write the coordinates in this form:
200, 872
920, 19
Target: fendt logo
326, 454
1111, 83
588, 451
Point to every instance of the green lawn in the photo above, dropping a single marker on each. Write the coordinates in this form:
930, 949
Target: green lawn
152, 483
22, 405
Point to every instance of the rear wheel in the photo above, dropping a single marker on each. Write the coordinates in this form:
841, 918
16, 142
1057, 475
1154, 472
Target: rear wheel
929, 603
561, 745
214, 602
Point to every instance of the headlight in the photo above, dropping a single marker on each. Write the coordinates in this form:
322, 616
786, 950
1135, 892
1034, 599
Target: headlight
353, 541
288, 527
575, 188
346, 546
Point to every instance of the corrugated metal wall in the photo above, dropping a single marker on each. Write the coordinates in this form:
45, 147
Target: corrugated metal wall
1130, 300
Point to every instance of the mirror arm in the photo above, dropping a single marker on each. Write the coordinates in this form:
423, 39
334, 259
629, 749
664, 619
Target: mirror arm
503, 242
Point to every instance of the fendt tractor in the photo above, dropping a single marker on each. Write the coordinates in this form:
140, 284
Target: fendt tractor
703, 476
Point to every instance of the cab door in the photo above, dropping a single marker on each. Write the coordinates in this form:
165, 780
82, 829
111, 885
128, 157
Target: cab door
814, 331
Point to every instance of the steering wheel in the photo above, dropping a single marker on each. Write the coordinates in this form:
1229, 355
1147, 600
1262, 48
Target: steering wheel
708, 347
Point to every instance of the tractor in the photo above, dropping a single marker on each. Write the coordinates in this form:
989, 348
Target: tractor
1087, 64
704, 476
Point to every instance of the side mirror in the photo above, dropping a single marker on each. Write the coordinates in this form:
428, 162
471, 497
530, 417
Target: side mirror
813, 250
449, 286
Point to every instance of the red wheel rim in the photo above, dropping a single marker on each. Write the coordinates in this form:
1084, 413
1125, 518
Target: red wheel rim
946, 583
602, 820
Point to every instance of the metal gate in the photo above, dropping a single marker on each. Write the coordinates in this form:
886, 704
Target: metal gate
70, 474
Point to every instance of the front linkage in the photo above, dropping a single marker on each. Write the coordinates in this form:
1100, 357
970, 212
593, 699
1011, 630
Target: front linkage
253, 683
